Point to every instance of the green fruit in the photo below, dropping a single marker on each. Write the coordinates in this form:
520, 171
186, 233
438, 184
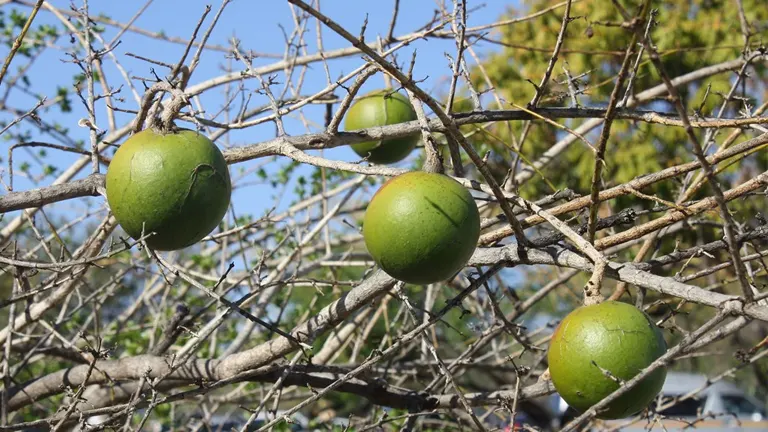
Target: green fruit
176, 185
421, 227
381, 108
618, 338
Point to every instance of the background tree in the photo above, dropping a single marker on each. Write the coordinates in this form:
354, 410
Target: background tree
626, 138
686, 36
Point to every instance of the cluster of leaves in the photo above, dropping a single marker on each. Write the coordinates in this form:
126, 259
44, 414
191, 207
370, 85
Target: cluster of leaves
38, 37
687, 34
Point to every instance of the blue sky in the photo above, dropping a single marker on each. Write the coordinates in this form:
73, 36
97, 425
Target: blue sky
257, 25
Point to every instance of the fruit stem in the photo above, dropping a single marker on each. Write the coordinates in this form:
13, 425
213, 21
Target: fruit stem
177, 102
434, 161
592, 294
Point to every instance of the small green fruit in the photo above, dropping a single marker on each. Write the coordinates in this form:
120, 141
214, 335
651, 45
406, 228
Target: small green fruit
176, 185
618, 338
421, 227
381, 108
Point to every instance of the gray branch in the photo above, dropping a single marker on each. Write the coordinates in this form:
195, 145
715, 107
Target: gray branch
287, 145
200, 370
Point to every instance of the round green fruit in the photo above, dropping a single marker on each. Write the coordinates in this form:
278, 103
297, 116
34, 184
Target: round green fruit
381, 108
175, 185
618, 338
421, 227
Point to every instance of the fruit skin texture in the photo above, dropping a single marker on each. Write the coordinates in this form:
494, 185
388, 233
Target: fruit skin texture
381, 108
421, 227
177, 184
619, 338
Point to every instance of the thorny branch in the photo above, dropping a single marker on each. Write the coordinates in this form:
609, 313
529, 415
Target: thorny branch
266, 318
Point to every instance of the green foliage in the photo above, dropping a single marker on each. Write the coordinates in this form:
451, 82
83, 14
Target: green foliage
688, 35
64, 101
36, 38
